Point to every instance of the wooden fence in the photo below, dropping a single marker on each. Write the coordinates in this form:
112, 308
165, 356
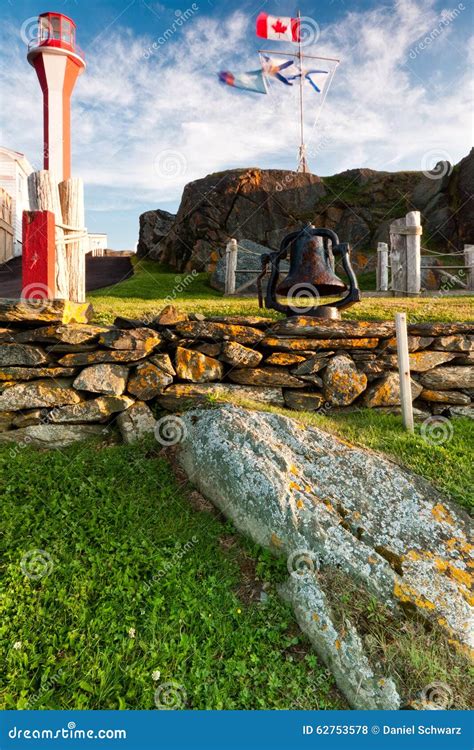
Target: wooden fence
400, 265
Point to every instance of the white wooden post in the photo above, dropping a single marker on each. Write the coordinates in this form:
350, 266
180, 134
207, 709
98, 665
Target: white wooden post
230, 266
71, 193
469, 261
413, 251
404, 371
382, 267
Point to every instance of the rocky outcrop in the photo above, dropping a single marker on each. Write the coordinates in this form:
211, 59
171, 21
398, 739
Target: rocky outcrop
322, 503
154, 227
261, 206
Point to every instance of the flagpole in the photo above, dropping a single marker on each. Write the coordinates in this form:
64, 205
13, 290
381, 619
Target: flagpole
302, 165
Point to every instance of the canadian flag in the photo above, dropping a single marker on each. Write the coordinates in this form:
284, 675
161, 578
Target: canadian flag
276, 27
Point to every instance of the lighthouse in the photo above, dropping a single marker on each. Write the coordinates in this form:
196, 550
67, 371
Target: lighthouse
58, 63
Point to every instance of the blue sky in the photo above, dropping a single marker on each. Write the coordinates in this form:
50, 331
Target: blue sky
149, 114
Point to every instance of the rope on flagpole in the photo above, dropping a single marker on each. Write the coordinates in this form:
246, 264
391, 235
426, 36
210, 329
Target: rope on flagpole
302, 166
323, 99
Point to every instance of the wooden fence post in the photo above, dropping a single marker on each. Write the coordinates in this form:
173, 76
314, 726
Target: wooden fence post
404, 371
44, 196
230, 266
71, 194
405, 254
413, 251
382, 267
38, 258
469, 261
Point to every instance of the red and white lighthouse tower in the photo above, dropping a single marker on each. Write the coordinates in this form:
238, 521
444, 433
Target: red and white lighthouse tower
58, 62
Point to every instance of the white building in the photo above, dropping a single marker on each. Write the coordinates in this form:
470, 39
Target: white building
14, 171
97, 243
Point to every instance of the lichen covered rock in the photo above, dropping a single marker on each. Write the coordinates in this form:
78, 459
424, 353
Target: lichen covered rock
21, 354
178, 396
136, 422
197, 367
38, 394
302, 400
448, 378
95, 410
219, 332
302, 344
148, 381
386, 391
293, 488
445, 397
272, 376
239, 355
52, 435
343, 383
105, 378
143, 339
426, 360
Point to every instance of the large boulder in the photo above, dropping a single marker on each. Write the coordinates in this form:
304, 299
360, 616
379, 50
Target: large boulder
327, 505
462, 190
262, 205
154, 226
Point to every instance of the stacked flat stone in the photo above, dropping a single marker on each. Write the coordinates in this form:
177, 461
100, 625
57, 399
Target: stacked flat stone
58, 370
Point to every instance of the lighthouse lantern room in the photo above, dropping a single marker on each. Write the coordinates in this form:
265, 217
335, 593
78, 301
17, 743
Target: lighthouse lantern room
58, 62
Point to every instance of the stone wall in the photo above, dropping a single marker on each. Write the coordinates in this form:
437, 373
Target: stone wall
63, 381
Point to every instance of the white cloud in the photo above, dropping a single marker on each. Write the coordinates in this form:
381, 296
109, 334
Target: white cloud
131, 106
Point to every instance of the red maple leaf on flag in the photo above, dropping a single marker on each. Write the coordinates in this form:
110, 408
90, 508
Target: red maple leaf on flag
279, 27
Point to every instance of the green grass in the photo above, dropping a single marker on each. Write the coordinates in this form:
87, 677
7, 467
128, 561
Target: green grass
153, 286
111, 519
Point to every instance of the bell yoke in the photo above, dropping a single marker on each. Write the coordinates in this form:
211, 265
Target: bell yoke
311, 273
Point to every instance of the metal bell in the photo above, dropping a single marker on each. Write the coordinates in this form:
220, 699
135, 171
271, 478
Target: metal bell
310, 271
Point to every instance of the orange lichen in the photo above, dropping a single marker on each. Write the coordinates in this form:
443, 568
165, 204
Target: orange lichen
406, 593
275, 541
442, 514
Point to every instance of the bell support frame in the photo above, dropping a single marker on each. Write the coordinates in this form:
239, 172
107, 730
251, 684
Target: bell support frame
274, 259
